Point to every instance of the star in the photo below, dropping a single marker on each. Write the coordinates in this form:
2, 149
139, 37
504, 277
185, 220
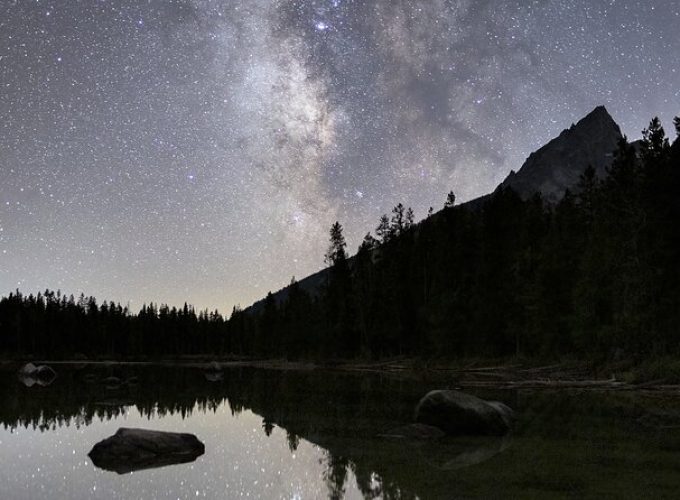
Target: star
243, 129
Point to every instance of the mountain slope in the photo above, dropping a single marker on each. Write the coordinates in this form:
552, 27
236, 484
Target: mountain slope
558, 165
551, 170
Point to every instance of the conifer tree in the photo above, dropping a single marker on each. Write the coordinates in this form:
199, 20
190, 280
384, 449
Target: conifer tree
336, 253
450, 200
398, 220
383, 230
368, 243
654, 141
410, 216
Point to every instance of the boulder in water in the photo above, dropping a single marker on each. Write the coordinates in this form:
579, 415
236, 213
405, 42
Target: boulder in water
136, 449
458, 413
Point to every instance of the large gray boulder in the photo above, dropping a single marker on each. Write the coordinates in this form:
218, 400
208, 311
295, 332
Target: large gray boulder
457, 413
31, 375
135, 449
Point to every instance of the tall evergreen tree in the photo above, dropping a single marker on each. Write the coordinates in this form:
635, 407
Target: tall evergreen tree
398, 220
383, 230
336, 253
409, 218
450, 200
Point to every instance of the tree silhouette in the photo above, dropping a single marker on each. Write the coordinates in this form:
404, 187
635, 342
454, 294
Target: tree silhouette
336, 253
450, 200
383, 231
398, 220
595, 273
409, 218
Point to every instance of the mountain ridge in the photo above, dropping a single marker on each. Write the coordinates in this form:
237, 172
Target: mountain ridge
550, 171
557, 165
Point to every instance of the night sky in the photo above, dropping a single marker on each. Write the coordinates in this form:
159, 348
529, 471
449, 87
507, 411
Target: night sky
199, 150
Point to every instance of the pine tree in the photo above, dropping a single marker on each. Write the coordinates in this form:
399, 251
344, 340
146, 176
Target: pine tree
340, 314
368, 244
410, 216
398, 220
383, 230
336, 253
450, 200
654, 142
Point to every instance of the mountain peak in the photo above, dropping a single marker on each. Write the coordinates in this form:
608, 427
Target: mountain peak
558, 165
599, 110
599, 114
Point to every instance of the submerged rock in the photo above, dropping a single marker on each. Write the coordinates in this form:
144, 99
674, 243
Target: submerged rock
415, 432
457, 413
136, 449
31, 375
214, 376
213, 372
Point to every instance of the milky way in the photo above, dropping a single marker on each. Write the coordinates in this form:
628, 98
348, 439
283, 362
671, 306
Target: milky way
199, 150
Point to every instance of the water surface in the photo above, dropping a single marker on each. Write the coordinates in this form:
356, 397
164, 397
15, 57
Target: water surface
316, 434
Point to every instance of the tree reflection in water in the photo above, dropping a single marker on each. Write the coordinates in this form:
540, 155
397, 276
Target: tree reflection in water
344, 414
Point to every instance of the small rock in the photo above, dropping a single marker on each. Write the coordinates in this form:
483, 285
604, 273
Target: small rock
213, 376
213, 372
31, 375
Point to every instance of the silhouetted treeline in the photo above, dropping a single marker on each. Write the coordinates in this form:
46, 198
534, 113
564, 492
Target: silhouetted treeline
53, 325
596, 274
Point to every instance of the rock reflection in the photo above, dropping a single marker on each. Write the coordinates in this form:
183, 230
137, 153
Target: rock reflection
344, 415
473, 451
341, 414
447, 453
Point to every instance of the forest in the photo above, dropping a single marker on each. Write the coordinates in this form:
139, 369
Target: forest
596, 275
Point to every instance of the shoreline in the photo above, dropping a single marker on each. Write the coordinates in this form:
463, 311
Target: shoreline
513, 375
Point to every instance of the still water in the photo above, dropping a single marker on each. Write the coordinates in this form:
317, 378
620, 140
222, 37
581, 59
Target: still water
317, 434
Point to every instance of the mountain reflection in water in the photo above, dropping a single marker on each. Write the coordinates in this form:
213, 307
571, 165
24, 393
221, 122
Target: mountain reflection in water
565, 443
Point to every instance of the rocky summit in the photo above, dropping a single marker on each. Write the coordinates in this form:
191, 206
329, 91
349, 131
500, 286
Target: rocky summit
558, 165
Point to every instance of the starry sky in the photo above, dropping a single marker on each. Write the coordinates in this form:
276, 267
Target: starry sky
199, 150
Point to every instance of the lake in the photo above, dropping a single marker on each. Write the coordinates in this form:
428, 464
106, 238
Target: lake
317, 434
